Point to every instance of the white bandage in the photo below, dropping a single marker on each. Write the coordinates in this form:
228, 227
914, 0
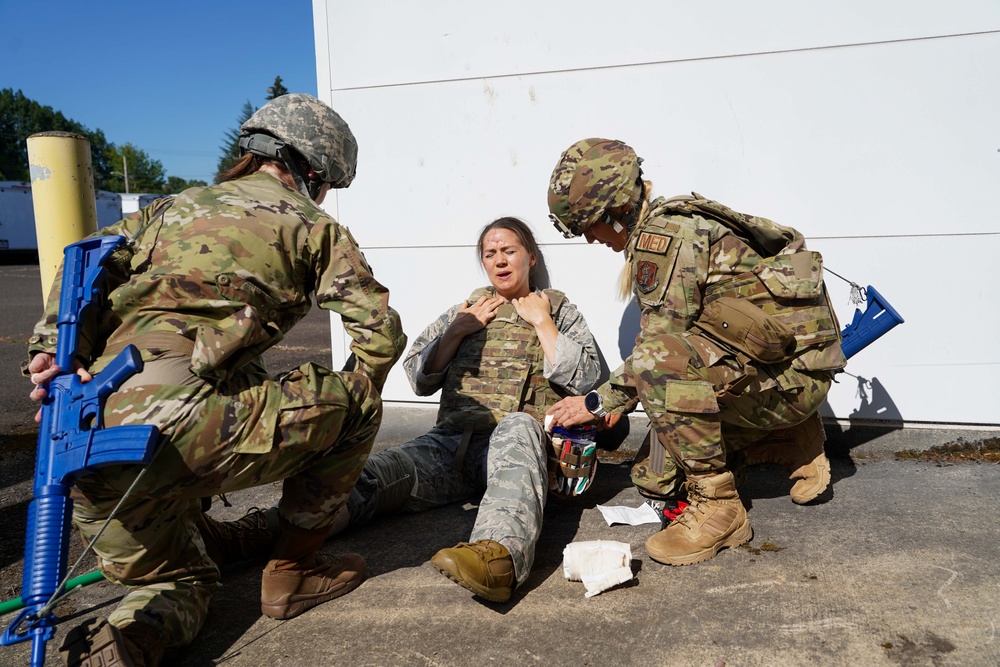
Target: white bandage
599, 564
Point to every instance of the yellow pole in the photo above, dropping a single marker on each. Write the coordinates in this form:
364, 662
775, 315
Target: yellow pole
62, 194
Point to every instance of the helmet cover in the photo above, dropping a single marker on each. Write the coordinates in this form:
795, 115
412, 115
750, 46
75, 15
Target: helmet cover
313, 129
592, 176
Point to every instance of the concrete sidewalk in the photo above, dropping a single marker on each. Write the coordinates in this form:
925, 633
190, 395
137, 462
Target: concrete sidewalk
896, 565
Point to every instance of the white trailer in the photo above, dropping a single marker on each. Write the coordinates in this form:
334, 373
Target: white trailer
870, 127
133, 201
109, 207
17, 219
17, 215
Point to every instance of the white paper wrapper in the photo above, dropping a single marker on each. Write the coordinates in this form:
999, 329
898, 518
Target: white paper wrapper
599, 564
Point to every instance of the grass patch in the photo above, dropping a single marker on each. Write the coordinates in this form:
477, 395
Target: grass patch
986, 450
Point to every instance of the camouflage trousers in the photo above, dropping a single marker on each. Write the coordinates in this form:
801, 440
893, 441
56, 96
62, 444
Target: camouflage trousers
681, 380
509, 464
311, 427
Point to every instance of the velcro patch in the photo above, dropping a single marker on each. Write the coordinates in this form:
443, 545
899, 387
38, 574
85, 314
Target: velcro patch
645, 276
656, 243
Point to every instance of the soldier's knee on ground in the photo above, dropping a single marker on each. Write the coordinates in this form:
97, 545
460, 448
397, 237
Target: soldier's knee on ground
800, 451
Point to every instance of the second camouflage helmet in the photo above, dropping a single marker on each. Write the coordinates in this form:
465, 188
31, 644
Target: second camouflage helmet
592, 176
312, 128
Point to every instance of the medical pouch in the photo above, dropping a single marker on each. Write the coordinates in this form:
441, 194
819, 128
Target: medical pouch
572, 460
744, 326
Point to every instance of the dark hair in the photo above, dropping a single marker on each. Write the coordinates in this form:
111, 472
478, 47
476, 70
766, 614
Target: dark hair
521, 231
251, 163
244, 166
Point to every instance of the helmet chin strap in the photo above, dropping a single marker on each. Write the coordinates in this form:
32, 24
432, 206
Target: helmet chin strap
308, 186
267, 146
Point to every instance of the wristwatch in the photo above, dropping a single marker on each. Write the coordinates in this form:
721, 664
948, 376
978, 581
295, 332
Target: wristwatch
594, 404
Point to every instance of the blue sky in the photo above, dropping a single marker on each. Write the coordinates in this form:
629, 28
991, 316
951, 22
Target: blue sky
169, 77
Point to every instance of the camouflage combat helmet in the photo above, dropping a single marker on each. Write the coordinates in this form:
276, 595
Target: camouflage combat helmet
314, 130
592, 176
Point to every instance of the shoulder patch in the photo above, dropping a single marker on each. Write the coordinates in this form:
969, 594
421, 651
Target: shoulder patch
655, 243
645, 276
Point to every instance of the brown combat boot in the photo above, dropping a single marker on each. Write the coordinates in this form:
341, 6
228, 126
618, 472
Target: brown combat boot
298, 577
250, 538
97, 643
799, 450
484, 567
714, 520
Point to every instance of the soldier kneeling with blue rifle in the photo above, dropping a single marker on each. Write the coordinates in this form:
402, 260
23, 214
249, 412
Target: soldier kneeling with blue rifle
208, 281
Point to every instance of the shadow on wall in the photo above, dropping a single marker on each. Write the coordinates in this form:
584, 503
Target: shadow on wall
540, 276
628, 329
874, 417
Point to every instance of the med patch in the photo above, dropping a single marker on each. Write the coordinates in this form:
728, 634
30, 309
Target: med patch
655, 243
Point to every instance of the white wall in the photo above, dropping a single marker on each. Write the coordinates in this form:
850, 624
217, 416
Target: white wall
870, 127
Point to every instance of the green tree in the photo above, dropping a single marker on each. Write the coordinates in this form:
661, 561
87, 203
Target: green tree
276, 90
21, 117
134, 171
231, 148
175, 184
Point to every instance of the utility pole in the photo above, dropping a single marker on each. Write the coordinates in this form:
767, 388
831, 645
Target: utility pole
125, 169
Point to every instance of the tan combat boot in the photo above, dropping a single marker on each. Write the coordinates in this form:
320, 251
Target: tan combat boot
714, 520
484, 567
799, 450
97, 643
249, 538
298, 577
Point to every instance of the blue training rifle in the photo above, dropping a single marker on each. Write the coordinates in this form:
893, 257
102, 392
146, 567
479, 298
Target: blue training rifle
867, 327
71, 441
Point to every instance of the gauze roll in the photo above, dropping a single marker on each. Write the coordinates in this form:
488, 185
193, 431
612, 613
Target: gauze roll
599, 564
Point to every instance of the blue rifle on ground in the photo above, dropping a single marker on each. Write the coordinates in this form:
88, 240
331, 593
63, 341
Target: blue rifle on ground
71, 441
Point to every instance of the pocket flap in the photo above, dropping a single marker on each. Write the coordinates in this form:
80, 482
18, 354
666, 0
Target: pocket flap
795, 276
692, 396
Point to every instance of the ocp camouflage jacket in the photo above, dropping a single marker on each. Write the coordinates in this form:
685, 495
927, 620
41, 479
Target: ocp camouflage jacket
688, 251
231, 268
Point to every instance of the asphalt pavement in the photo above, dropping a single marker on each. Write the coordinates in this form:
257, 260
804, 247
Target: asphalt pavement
895, 565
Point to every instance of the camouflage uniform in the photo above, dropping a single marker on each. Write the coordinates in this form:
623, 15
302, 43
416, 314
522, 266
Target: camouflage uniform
212, 284
704, 397
488, 434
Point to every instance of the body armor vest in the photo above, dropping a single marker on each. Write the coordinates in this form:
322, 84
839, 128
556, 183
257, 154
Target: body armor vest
787, 283
496, 371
